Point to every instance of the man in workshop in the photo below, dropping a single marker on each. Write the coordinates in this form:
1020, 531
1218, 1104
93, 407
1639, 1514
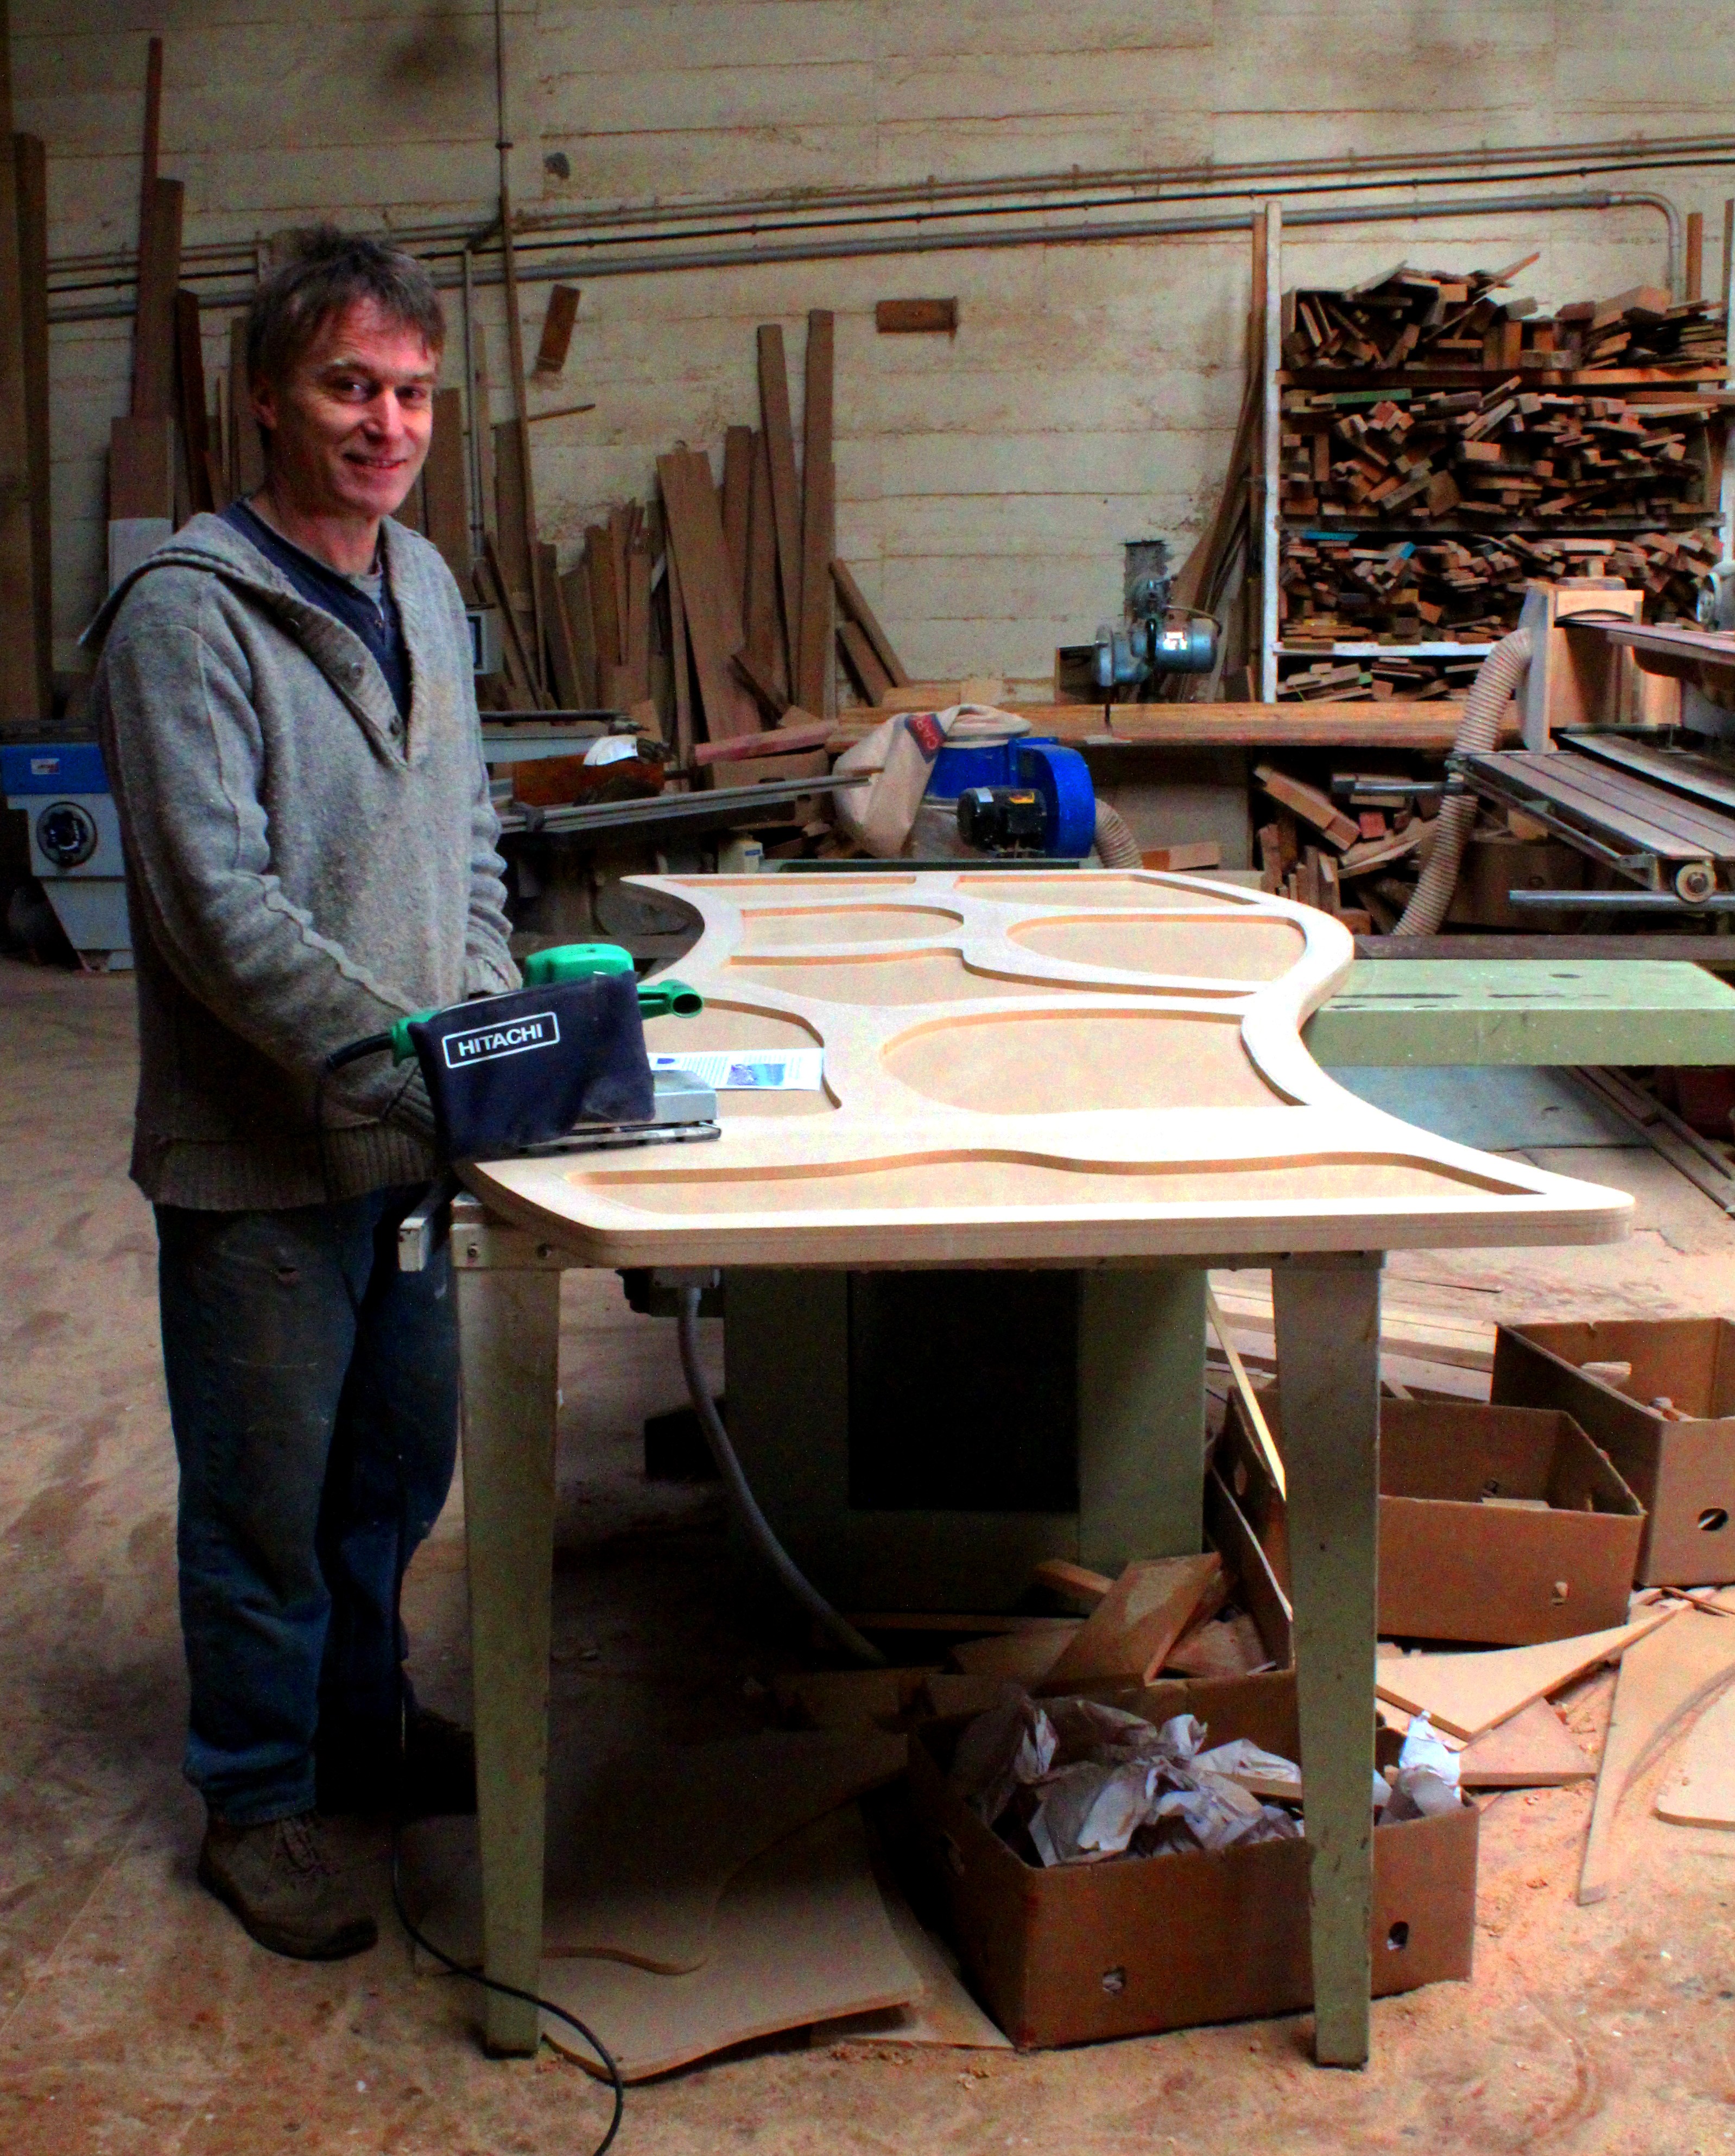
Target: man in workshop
288, 717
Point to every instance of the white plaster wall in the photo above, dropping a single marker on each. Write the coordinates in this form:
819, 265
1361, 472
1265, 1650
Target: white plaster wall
985, 482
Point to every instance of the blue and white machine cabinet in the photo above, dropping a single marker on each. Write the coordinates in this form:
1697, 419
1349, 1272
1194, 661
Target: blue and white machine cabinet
75, 855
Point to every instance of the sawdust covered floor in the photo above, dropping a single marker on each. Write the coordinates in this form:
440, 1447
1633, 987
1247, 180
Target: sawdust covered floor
136, 2017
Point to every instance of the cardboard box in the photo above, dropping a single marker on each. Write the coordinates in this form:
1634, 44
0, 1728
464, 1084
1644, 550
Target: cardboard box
1682, 1472
1136, 1945
1453, 1567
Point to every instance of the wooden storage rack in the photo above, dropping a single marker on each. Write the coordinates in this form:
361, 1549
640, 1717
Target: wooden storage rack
1271, 649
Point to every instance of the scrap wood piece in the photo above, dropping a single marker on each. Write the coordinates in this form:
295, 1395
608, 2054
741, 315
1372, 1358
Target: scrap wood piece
557, 337
819, 515
1660, 1683
1702, 1791
1532, 1749
915, 317
782, 739
1309, 803
867, 621
681, 660
1131, 1631
785, 496
803, 1935
1467, 1694
1063, 1576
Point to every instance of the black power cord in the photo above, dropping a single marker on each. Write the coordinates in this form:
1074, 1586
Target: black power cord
611, 2070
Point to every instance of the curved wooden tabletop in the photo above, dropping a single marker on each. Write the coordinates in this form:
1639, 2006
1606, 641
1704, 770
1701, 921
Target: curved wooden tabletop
1026, 1069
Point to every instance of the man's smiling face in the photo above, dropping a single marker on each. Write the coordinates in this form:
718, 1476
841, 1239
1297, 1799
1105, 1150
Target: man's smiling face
350, 429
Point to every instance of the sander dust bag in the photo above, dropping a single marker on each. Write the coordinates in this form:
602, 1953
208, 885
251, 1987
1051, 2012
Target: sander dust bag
508, 1072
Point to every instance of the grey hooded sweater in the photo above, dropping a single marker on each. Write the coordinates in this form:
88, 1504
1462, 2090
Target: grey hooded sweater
302, 867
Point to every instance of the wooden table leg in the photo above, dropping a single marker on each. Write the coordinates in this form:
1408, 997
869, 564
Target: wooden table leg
1328, 1326
508, 1328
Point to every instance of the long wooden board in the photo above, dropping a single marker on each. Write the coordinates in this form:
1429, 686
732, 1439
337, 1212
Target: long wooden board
695, 531
785, 496
763, 614
19, 679
445, 494
1662, 1680
818, 514
1467, 1694
33, 200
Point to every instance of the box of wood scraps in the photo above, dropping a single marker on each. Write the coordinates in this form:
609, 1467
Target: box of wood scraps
1202, 1914
1658, 1395
1501, 1524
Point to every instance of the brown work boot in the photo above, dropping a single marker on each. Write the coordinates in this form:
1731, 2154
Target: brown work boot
284, 1881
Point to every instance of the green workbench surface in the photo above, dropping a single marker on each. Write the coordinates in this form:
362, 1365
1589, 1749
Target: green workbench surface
1592, 1011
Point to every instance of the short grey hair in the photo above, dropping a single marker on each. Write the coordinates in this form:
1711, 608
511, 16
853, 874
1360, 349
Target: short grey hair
325, 273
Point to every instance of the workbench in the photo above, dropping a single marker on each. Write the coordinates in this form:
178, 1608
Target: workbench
1098, 1072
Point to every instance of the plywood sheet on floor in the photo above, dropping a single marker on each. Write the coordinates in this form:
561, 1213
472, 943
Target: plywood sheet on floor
801, 1935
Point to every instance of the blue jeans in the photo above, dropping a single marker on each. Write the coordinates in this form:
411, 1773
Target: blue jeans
313, 1389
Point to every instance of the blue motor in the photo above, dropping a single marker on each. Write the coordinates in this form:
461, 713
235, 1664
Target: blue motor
1020, 796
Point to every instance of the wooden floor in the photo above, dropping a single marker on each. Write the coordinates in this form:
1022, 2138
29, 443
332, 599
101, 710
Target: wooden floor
136, 2019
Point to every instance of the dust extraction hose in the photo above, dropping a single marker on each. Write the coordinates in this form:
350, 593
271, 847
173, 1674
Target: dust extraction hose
747, 1505
1497, 680
1115, 846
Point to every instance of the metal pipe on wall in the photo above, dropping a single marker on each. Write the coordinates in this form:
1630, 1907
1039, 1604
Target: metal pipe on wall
1199, 224
795, 209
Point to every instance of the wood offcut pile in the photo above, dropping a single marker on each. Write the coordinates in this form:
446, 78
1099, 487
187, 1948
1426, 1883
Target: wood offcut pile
1359, 867
1414, 591
1420, 323
1505, 454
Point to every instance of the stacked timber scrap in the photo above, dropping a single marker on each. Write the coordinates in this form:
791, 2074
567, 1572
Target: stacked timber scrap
1338, 589
1511, 453
1419, 323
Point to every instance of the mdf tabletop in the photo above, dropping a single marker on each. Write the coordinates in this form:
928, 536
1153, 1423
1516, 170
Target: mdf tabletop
1086, 1070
